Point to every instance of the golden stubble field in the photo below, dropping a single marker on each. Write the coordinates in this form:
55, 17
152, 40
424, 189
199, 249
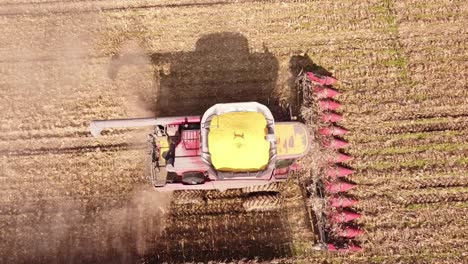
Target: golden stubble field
67, 197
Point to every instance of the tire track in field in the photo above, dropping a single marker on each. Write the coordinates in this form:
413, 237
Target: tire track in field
410, 197
38, 135
394, 145
408, 139
109, 7
71, 150
439, 197
446, 156
417, 234
419, 241
392, 211
42, 2
423, 182
416, 111
412, 166
405, 111
399, 171
430, 125
441, 220
437, 182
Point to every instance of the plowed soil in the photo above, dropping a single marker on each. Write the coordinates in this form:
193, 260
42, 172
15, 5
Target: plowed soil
67, 197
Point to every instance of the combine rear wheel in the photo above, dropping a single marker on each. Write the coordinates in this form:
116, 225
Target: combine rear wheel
188, 197
271, 187
262, 203
227, 194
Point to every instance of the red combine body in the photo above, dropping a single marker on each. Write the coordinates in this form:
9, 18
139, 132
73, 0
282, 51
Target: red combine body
212, 151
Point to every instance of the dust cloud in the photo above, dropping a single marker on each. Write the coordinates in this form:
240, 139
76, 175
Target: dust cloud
132, 74
53, 82
91, 232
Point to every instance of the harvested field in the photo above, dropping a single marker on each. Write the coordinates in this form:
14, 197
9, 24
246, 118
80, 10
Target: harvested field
68, 197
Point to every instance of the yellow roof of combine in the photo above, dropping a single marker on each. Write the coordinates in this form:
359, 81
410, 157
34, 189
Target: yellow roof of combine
237, 142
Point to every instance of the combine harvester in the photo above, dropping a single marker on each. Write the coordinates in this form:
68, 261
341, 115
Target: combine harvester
238, 149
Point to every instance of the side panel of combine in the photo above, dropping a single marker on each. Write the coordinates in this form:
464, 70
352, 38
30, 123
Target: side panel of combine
292, 140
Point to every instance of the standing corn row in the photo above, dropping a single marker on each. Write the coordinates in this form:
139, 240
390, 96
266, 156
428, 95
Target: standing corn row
333, 218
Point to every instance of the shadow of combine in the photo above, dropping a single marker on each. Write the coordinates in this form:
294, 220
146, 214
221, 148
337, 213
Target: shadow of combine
299, 64
221, 69
304, 63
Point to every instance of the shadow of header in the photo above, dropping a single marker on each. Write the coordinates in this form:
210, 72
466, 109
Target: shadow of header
303, 63
299, 64
221, 69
